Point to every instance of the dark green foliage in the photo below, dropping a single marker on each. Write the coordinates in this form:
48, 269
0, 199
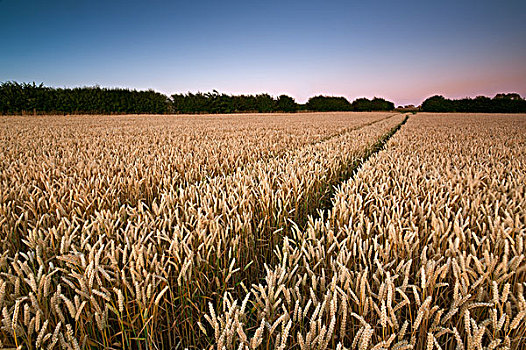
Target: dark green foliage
265, 103
501, 103
328, 103
376, 104
437, 104
215, 102
24, 98
17, 98
331, 103
286, 104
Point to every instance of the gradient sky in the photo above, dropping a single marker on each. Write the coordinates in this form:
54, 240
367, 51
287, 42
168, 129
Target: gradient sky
404, 51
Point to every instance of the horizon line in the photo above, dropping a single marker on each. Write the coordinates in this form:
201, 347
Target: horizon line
169, 95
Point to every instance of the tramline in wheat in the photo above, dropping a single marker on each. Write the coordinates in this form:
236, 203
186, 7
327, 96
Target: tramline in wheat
424, 248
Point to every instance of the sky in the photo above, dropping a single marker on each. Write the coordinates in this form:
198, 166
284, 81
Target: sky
404, 51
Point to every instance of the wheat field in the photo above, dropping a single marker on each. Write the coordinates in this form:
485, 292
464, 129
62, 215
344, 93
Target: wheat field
307, 231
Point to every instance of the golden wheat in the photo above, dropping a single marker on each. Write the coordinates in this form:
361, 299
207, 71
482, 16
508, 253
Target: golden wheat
120, 231
429, 235
227, 232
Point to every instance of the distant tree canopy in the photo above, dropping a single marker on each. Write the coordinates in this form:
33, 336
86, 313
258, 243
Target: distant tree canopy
328, 103
501, 103
376, 104
20, 98
24, 97
215, 102
437, 104
286, 104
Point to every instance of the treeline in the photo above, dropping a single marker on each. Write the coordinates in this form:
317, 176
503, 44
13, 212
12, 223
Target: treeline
329, 103
26, 98
501, 103
215, 102
16, 98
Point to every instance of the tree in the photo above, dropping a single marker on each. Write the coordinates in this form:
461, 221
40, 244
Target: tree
376, 104
501, 103
437, 103
286, 104
265, 103
328, 103
510, 96
25, 97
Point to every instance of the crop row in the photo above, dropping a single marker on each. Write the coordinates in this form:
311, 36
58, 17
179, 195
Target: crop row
125, 268
74, 167
423, 248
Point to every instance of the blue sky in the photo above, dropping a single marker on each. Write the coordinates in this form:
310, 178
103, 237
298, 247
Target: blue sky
401, 50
